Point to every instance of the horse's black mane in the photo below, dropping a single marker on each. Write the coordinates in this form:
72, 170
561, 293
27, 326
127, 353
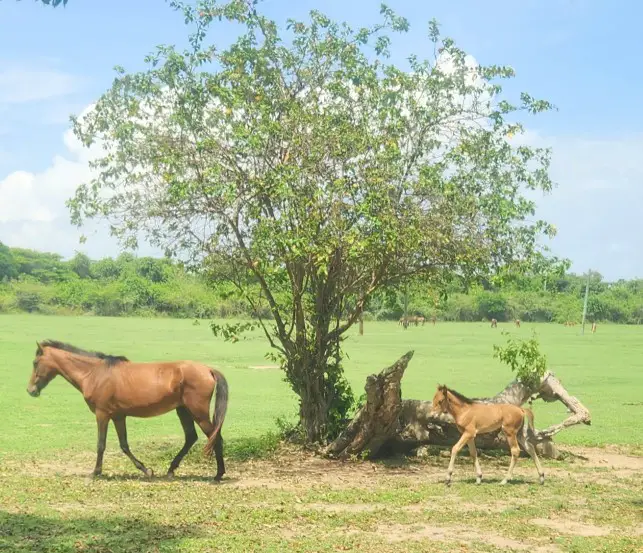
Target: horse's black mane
110, 360
462, 398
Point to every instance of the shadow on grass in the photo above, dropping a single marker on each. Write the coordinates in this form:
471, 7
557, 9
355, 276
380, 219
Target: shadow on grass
27, 532
163, 478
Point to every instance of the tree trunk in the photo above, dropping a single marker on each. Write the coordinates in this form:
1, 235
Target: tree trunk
387, 424
377, 420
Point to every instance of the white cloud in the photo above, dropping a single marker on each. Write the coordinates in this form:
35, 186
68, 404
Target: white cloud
22, 85
33, 212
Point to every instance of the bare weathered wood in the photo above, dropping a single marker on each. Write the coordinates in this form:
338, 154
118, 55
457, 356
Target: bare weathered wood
376, 420
387, 423
552, 389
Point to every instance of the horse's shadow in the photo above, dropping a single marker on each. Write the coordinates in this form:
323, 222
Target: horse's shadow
162, 478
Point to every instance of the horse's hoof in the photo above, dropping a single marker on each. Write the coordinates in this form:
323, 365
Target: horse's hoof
542, 479
96, 474
218, 477
448, 483
170, 475
503, 483
478, 480
149, 473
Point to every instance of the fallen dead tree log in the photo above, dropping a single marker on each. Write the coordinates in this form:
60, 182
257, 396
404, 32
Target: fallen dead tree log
388, 424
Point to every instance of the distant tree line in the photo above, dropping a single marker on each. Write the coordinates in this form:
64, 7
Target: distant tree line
38, 282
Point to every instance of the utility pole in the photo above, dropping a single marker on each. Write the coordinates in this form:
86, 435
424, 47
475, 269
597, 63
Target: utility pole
585, 303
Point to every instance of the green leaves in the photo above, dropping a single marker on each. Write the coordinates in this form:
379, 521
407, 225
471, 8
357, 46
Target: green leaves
524, 358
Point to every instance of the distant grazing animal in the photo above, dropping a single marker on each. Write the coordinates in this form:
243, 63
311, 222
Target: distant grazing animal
593, 327
115, 388
473, 418
411, 319
517, 322
494, 323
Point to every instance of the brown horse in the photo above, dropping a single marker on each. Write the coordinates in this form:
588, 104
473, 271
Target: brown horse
517, 323
494, 323
115, 388
473, 418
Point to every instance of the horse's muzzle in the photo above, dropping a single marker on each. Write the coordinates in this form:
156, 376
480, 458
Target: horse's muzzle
33, 392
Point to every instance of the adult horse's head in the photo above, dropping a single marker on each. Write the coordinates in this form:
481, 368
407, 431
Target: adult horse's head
440, 400
42, 374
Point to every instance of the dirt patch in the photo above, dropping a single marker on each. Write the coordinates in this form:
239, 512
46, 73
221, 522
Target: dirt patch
263, 367
610, 457
421, 532
572, 527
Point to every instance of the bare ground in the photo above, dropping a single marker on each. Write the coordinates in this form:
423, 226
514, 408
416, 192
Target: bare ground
345, 490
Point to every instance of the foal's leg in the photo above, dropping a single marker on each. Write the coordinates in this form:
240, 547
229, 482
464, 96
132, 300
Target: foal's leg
476, 462
454, 452
102, 420
121, 430
187, 422
531, 451
515, 453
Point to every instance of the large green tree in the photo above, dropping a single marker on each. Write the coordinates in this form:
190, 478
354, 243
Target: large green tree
305, 167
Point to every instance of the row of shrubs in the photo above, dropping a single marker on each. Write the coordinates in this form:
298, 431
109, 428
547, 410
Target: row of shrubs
189, 297
32, 281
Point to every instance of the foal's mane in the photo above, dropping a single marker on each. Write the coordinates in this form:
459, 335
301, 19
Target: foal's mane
110, 360
461, 397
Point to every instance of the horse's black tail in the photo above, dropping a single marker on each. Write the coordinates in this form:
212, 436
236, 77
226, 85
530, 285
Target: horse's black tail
220, 408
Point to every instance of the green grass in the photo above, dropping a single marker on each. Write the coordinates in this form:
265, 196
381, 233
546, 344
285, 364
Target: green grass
603, 370
294, 502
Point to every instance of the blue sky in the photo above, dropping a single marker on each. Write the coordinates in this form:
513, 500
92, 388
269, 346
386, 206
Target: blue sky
583, 55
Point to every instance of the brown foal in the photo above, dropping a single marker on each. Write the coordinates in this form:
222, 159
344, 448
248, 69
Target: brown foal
473, 418
115, 388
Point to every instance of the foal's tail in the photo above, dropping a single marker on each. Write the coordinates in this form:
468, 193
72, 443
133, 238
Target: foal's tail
220, 408
530, 421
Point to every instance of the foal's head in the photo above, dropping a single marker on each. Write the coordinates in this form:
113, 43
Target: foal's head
43, 372
441, 400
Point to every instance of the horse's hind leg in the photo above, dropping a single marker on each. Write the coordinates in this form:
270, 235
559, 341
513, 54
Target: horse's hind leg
190, 438
202, 418
121, 430
531, 451
476, 462
515, 453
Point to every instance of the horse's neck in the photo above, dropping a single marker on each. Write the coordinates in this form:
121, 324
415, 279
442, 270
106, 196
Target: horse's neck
76, 369
455, 405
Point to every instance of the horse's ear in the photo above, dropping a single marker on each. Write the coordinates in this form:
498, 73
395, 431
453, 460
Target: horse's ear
39, 350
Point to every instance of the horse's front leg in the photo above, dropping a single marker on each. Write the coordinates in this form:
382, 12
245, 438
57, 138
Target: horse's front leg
466, 436
102, 420
121, 430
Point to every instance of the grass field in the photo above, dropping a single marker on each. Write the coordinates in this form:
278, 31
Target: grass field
293, 501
